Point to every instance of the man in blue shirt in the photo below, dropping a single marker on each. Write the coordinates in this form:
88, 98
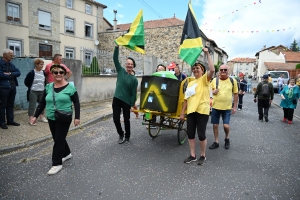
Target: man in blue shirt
8, 83
180, 76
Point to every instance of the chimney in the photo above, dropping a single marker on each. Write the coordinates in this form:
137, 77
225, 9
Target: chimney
115, 21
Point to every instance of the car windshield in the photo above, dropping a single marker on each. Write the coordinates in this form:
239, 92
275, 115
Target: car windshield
278, 74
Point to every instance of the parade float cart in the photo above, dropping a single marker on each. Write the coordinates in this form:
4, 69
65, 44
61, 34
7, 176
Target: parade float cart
161, 102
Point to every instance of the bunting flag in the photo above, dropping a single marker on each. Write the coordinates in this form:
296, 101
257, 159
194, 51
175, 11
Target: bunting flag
134, 38
252, 31
191, 42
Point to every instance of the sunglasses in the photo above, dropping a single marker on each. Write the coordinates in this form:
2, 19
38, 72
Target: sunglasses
223, 70
60, 72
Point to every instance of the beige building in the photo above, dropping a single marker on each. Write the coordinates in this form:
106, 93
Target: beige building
242, 65
41, 28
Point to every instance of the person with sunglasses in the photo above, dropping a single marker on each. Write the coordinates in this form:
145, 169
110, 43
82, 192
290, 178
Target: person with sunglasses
196, 103
223, 89
65, 94
125, 95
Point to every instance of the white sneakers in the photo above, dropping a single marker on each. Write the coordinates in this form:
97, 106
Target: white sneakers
43, 119
54, 169
67, 157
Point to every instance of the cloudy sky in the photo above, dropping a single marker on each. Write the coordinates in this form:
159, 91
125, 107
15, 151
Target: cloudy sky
240, 27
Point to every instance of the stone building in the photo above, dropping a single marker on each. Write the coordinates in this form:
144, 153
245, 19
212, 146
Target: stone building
242, 65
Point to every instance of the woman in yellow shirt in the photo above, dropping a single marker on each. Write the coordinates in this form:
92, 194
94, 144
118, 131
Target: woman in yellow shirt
196, 102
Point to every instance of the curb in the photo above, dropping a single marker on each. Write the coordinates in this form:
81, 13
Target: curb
5, 150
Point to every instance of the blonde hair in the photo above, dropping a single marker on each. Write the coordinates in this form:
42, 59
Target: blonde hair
38, 61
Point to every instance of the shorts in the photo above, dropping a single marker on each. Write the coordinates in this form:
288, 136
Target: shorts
216, 114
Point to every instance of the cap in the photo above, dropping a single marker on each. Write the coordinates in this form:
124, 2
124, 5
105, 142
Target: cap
265, 76
171, 65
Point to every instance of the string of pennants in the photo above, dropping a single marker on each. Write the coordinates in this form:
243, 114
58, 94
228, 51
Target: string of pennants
247, 31
254, 3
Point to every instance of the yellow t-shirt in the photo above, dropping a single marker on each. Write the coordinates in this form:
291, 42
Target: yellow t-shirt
298, 81
269, 79
223, 100
199, 102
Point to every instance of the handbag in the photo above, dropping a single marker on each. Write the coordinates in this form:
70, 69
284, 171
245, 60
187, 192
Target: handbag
60, 115
294, 101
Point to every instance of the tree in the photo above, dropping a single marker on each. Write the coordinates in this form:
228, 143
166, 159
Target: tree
94, 69
294, 46
217, 67
298, 66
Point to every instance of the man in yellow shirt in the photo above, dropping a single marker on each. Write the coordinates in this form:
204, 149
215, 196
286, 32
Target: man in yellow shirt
298, 80
269, 78
223, 88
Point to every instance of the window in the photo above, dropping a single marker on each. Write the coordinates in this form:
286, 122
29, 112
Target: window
69, 25
15, 46
13, 12
69, 53
88, 9
45, 50
44, 20
69, 3
88, 58
88, 30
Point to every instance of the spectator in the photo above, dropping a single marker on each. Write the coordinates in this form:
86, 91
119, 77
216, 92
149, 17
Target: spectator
264, 98
160, 67
57, 59
289, 99
249, 84
242, 84
125, 95
222, 104
8, 83
180, 76
64, 94
280, 83
35, 81
298, 81
196, 103
269, 78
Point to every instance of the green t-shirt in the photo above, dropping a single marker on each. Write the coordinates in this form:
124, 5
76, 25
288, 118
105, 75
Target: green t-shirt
62, 99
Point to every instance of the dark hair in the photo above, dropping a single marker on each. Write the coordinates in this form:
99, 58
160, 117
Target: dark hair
202, 65
132, 61
162, 66
56, 55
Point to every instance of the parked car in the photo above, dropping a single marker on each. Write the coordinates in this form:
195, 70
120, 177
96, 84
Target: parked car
275, 75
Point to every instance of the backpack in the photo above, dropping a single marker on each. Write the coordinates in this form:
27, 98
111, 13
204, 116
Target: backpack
265, 90
217, 82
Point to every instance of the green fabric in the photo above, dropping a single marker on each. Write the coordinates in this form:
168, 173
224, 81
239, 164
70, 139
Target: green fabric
289, 94
191, 42
134, 38
166, 74
258, 92
62, 99
126, 86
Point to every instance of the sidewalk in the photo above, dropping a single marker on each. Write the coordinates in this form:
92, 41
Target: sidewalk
16, 137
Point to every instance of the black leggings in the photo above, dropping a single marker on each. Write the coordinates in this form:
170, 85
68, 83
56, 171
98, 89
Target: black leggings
288, 113
117, 105
199, 121
240, 104
59, 131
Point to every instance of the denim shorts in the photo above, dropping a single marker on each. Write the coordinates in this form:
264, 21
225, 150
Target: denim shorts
216, 114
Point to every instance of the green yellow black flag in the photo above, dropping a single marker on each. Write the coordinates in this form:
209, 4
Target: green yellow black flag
191, 42
134, 38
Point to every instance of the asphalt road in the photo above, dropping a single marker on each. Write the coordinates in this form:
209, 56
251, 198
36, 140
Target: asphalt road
262, 163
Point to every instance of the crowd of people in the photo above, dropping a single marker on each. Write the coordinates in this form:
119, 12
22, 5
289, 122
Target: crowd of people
51, 90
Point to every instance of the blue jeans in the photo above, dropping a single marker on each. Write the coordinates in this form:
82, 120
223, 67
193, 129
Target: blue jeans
249, 87
216, 114
280, 86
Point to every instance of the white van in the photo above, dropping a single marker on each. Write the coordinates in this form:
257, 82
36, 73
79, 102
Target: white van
276, 74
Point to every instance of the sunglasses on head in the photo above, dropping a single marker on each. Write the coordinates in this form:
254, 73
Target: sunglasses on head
223, 70
56, 72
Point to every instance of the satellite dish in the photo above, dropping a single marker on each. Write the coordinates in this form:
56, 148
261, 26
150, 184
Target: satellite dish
96, 42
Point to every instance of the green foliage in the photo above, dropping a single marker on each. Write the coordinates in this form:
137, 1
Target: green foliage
217, 67
94, 68
85, 69
294, 46
298, 66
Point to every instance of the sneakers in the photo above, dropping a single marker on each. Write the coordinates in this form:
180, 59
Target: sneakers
239, 109
54, 169
227, 143
121, 140
261, 120
43, 119
126, 141
190, 159
290, 122
201, 160
266, 118
67, 157
284, 120
32, 124
214, 145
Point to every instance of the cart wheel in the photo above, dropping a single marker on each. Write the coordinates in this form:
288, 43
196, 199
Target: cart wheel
153, 131
182, 132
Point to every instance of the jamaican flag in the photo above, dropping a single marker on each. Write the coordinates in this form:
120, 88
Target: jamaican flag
191, 42
134, 38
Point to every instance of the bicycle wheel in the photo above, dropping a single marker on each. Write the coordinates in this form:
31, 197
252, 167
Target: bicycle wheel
182, 132
153, 130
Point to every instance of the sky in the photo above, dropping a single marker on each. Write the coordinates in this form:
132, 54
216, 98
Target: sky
239, 27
